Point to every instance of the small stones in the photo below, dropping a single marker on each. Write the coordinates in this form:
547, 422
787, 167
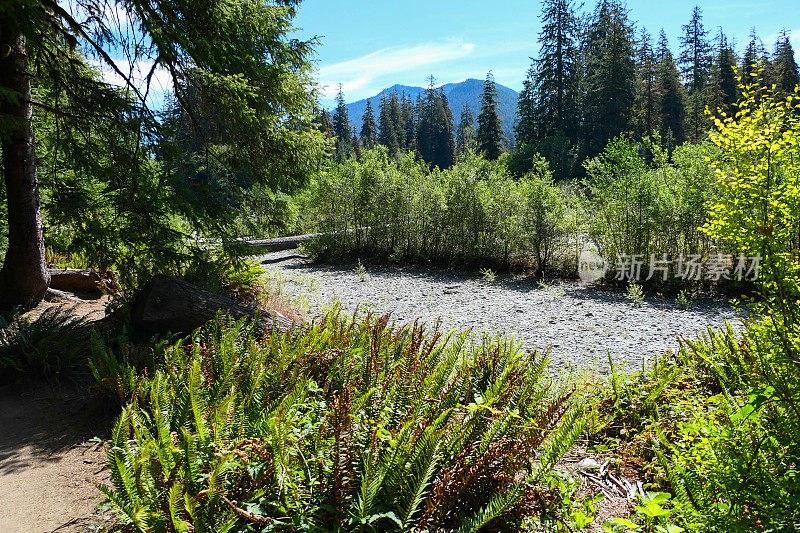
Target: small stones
581, 325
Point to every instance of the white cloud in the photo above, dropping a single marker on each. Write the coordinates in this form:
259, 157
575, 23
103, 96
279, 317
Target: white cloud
357, 73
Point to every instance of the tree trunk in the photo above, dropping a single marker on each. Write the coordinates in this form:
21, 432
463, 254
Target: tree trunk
24, 277
168, 304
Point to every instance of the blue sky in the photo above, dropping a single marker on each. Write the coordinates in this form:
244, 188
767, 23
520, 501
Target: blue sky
371, 45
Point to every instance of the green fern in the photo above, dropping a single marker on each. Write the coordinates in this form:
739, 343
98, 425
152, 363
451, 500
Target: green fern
342, 426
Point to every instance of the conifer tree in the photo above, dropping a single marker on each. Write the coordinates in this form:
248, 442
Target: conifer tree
756, 67
672, 111
465, 134
724, 82
695, 63
784, 66
610, 85
341, 127
647, 101
324, 124
409, 123
369, 129
237, 56
555, 72
489, 135
695, 56
356, 144
525, 129
397, 121
388, 128
435, 140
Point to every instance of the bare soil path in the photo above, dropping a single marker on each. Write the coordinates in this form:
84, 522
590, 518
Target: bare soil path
48, 458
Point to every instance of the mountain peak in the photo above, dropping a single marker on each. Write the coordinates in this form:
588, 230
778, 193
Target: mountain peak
459, 93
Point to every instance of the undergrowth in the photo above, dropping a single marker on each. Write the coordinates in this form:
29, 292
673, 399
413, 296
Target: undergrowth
343, 426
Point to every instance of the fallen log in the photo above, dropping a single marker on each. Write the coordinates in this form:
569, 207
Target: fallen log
281, 243
77, 280
167, 304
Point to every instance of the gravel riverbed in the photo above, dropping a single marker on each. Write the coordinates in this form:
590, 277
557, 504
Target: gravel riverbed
580, 324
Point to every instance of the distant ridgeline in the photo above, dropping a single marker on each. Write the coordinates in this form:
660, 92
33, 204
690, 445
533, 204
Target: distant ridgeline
467, 91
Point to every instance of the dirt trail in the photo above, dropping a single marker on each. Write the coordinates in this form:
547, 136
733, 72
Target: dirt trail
48, 460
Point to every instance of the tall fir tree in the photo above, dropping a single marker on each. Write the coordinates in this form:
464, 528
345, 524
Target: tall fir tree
356, 145
695, 56
323, 122
756, 67
647, 101
672, 107
388, 127
369, 129
724, 82
256, 112
465, 134
785, 70
695, 63
525, 130
610, 81
435, 140
341, 127
396, 114
409, 123
555, 72
489, 135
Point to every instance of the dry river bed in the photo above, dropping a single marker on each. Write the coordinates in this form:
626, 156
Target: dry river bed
580, 324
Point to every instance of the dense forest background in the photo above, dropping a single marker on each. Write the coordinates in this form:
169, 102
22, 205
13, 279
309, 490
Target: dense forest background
596, 76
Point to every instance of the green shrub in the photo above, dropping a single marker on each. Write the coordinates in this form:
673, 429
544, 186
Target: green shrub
340, 427
644, 209
728, 440
474, 212
758, 210
733, 457
544, 216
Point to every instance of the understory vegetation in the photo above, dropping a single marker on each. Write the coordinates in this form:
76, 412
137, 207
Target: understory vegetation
343, 426
718, 426
357, 424
636, 200
473, 212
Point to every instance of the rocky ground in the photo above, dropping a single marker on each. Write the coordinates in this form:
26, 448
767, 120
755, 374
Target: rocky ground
580, 324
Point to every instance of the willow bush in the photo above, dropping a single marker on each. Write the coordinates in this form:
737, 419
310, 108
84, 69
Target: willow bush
474, 212
642, 205
342, 426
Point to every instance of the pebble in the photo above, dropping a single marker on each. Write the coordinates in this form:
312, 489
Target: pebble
578, 324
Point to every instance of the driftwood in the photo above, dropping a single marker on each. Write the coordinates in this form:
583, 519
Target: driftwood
74, 280
167, 304
290, 243
281, 243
